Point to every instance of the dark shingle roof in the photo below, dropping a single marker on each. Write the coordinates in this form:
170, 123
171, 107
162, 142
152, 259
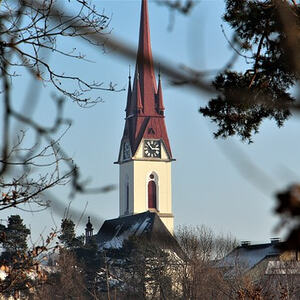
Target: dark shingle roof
145, 225
250, 255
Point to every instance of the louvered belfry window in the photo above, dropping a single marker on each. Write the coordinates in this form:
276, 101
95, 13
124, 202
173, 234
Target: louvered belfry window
152, 194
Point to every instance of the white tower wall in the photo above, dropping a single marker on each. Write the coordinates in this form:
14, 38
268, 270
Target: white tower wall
136, 174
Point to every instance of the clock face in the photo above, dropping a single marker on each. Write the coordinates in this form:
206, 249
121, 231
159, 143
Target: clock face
126, 150
152, 148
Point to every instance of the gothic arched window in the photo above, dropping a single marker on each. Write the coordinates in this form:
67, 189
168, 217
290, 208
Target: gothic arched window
152, 194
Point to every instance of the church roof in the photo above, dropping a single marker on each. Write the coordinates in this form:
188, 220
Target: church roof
147, 225
144, 108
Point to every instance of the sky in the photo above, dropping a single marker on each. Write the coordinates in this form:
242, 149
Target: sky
227, 185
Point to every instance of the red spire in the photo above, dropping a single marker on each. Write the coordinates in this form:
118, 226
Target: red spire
144, 63
128, 105
139, 105
145, 109
160, 104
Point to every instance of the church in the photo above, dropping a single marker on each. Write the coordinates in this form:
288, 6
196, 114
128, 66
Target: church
145, 158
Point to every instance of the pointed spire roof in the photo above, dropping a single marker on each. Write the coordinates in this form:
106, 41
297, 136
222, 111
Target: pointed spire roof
160, 103
128, 104
139, 105
144, 109
89, 225
144, 62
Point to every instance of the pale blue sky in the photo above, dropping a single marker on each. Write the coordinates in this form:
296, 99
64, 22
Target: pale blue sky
209, 187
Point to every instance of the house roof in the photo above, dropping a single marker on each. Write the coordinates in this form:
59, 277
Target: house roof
247, 256
147, 225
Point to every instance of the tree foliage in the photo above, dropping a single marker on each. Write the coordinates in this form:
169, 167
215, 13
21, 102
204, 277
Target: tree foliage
27, 28
15, 257
31, 31
140, 269
68, 235
14, 238
263, 91
67, 282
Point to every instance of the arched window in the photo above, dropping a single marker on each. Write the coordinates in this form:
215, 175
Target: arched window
152, 194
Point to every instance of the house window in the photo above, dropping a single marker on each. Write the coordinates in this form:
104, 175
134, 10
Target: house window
152, 194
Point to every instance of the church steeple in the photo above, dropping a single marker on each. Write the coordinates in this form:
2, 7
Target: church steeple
144, 63
137, 91
144, 109
128, 104
88, 231
145, 155
160, 104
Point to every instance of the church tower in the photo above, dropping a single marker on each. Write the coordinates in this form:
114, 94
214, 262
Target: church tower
88, 231
145, 154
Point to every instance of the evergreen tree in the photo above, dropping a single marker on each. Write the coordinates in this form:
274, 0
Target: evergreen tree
86, 256
68, 236
271, 49
91, 261
14, 238
139, 270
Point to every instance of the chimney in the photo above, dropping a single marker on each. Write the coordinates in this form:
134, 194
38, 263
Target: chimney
275, 240
245, 243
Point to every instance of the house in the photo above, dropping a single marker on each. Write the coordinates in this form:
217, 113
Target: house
261, 260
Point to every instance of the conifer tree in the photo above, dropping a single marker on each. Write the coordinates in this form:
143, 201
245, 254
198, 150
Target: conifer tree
14, 238
15, 257
266, 36
68, 236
